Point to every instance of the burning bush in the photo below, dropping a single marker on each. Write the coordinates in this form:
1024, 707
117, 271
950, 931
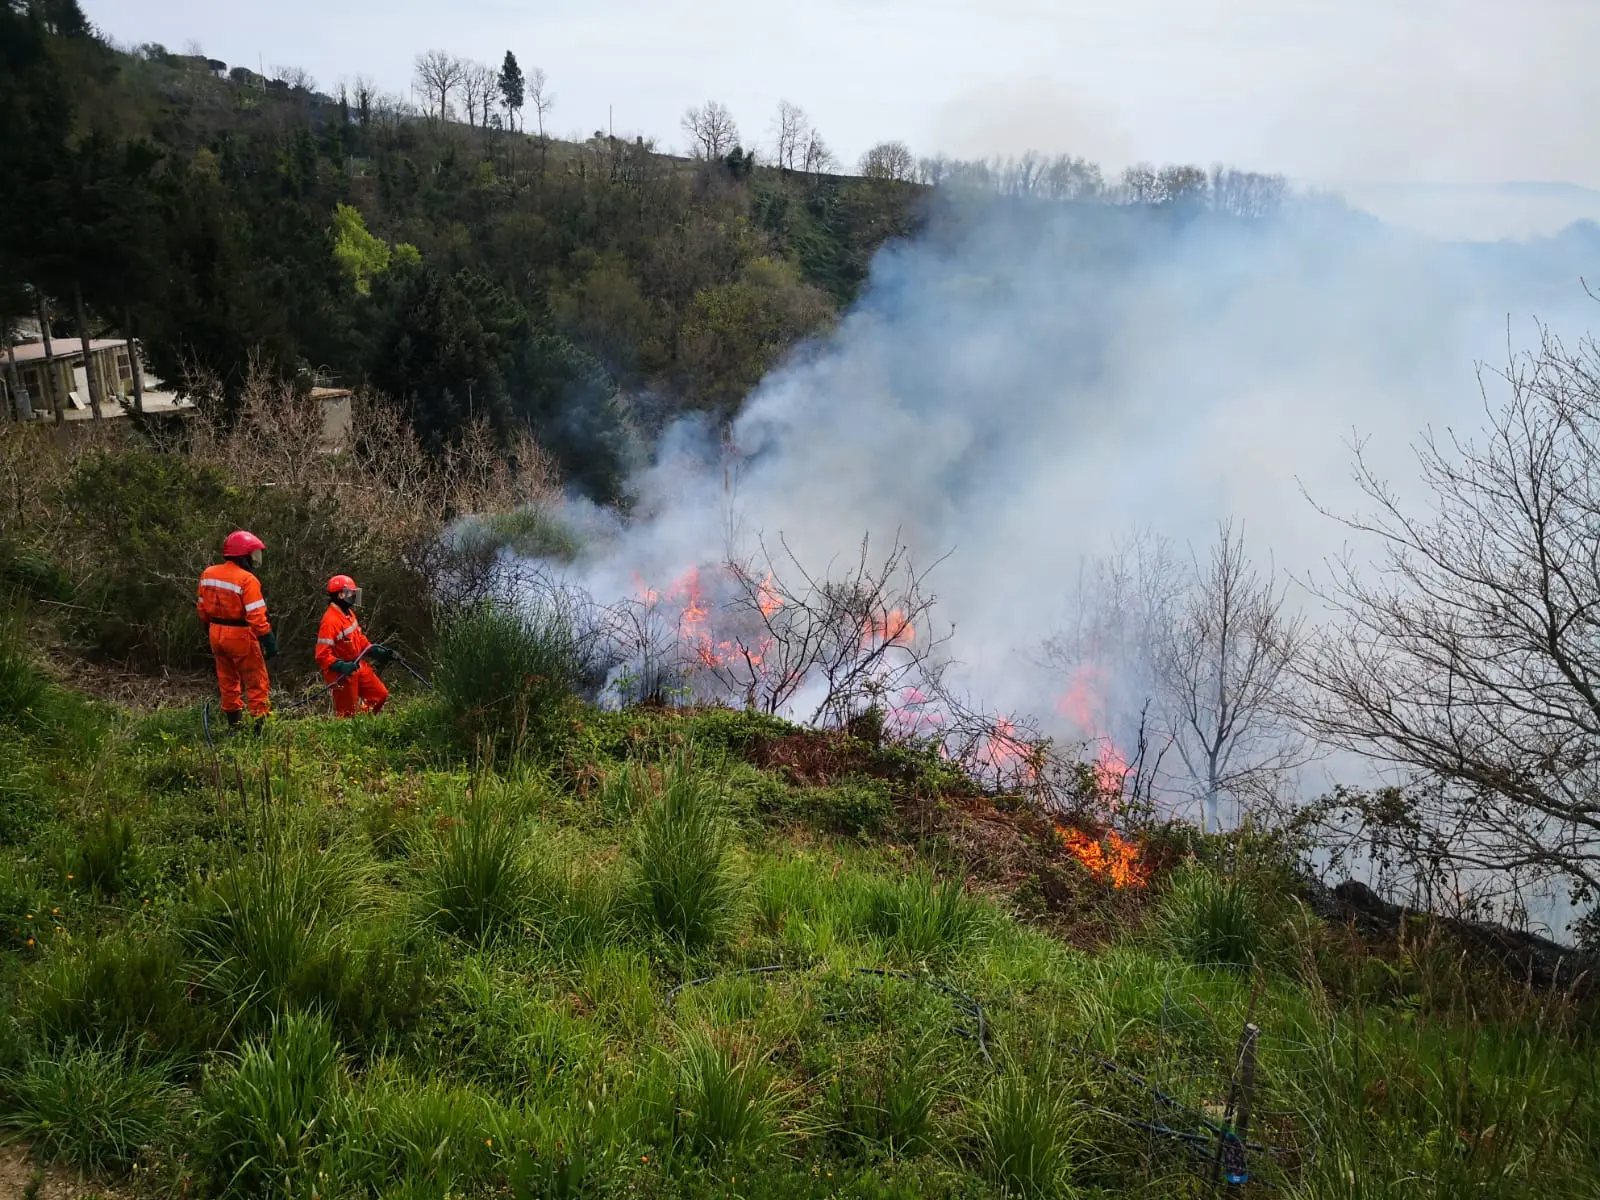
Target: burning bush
1107, 856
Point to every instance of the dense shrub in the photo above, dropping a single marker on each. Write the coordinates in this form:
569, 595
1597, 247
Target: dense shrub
129, 988
507, 677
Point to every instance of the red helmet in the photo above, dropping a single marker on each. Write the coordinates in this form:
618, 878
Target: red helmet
241, 544
342, 583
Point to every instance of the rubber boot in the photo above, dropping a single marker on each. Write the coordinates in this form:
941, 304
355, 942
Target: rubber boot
233, 721
258, 727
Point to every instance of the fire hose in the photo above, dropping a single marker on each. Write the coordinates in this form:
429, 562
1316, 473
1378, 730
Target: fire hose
358, 660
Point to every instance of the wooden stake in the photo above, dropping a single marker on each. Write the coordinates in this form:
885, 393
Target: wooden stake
1236, 1116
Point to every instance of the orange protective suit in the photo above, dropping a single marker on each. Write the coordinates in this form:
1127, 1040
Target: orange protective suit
340, 637
230, 603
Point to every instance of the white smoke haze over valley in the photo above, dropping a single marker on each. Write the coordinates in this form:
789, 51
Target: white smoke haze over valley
1029, 388
1025, 386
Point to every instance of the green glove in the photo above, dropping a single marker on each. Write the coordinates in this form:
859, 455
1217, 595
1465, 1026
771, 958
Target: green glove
380, 654
345, 667
269, 644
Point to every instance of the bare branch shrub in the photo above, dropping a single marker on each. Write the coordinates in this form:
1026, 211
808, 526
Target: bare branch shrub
1203, 651
777, 637
1471, 659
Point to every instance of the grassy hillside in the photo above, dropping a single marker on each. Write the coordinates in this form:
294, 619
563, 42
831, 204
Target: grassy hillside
697, 954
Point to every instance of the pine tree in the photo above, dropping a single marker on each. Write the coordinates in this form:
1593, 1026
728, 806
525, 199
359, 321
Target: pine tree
511, 86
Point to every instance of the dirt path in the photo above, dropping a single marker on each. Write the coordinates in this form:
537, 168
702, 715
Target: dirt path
17, 1174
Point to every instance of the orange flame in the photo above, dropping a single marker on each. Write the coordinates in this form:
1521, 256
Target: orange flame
1111, 857
768, 597
1005, 750
894, 630
1081, 703
1110, 771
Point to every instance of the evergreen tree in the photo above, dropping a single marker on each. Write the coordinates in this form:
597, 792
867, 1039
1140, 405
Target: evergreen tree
512, 88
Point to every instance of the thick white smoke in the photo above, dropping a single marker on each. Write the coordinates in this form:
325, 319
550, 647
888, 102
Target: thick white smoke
1024, 385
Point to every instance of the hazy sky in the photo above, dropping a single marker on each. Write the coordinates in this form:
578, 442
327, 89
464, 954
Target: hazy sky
1328, 91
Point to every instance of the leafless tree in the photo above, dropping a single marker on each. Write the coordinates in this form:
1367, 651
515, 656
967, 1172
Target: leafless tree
1183, 185
1224, 666
540, 95
1246, 193
365, 95
816, 158
1202, 650
1069, 178
438, 74
711, 129
296, 78
792, 129
480, 85
1472, 659
889, 160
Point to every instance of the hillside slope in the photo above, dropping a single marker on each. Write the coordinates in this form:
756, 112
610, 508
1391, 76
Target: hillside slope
696, 954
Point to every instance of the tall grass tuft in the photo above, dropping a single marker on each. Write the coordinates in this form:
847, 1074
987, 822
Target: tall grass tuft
507, 677
23, 689
268, 1114
725, 1096
120, 986
922, 916
1213, 921
570, 1153
90, 1106
264, 927
477, 880
888, 1100
682, 848
1024, 1133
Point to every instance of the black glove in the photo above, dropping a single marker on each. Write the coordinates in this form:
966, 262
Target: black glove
380, 654
345, 667
269, 644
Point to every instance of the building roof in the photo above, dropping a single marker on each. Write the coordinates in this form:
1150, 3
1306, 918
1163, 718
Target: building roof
33, 352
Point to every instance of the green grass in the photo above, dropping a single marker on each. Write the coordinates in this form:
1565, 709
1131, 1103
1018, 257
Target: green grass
1216, 921
687, 883
270, 1113
506, 676
89, 1106
921, 917
264, 929
23, 690
1025, 1133
478, 880
725, 1100
361, 967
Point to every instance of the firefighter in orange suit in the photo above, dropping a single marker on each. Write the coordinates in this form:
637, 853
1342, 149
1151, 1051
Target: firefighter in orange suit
230, 604
345, 655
